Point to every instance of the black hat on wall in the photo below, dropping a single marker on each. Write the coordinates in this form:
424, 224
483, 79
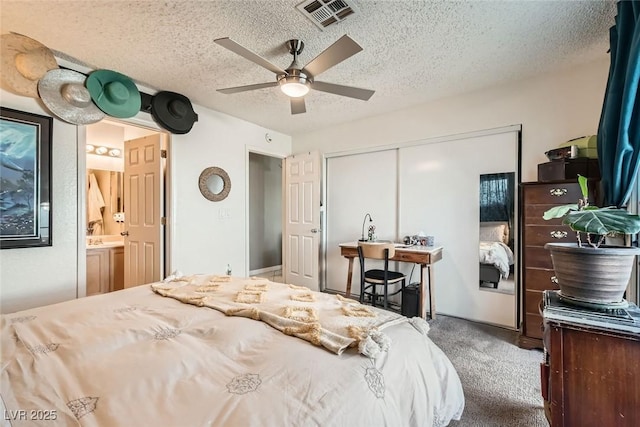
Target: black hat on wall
173, 112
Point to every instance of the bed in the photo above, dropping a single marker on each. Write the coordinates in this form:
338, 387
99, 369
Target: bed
165, 355
495, 254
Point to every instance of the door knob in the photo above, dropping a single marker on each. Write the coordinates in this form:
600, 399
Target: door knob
314, 230
124, 233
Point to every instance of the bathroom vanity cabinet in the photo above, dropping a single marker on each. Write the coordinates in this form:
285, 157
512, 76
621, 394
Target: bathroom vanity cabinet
105, 269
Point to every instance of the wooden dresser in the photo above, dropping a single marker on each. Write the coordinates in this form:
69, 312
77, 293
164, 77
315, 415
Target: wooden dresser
537, 269
591, 372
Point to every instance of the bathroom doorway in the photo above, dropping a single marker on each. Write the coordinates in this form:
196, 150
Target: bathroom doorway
265, 216
118, 195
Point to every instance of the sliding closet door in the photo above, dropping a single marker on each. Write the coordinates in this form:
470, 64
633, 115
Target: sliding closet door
356, 185
439, 194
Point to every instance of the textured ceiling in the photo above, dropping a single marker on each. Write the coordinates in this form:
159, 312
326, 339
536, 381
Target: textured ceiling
414, 51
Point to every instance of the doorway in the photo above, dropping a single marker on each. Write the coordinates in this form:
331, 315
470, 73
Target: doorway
265, 216
113, 205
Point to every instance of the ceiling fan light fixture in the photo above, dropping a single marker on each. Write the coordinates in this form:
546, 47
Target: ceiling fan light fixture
294, 86
294, 89
296, 81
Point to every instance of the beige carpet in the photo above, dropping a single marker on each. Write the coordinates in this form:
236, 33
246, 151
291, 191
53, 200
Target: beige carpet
501, 381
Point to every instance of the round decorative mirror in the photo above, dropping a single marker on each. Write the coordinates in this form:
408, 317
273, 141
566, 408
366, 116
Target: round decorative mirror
214, 184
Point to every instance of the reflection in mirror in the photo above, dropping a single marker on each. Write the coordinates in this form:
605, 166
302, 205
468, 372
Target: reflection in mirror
497, 220
117, 191
215, 184
105, 195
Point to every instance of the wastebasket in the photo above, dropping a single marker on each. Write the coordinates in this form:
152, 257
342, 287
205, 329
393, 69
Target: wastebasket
411, 300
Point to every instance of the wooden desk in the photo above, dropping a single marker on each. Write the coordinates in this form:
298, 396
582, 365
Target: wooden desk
426, 256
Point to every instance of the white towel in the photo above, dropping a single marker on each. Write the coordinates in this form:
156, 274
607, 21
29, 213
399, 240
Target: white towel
95, 201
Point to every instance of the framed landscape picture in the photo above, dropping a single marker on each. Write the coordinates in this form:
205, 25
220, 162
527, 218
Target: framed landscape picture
25, 179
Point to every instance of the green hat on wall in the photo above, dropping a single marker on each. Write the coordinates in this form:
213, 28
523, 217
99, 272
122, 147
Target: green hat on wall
114, 93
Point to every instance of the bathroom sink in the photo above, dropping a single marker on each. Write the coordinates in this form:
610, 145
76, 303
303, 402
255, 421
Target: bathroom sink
105, 245
106, 241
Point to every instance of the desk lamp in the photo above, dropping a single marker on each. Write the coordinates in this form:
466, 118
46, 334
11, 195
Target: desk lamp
362, 238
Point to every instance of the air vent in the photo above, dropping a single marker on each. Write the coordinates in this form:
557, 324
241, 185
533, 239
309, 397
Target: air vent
326, 12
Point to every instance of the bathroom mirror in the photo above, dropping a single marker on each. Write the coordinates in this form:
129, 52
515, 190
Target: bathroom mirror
214, 184
117, 191
497, 230
100, 210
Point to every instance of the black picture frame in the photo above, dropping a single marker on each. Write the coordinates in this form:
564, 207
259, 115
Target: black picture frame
25, 179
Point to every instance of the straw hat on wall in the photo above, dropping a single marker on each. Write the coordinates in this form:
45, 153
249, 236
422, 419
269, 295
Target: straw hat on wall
23, 61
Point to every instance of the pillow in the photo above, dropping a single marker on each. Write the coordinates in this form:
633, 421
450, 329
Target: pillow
494, 232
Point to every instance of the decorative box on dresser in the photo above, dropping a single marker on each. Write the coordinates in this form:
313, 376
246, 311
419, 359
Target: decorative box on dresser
537, 269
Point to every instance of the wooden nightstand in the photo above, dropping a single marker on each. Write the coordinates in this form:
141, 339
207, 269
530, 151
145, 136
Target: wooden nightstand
591, 372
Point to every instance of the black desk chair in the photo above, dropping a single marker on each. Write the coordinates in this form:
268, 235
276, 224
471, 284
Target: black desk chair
371, 279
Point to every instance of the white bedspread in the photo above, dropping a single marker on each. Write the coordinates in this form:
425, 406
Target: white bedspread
326, 320
497, 254
134, 358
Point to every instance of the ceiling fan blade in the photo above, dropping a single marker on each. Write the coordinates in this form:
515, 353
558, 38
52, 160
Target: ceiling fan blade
297, 106
350, 91
342, 49
238, 89
234, 47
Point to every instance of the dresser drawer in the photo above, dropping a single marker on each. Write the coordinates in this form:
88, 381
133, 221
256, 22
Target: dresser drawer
552, 193
532, 300
532, 214
538, 279
537, 257
533, 326
538, 235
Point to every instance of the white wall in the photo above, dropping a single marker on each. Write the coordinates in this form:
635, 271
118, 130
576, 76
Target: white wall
201, 241
45, 275
209, 235
551, 108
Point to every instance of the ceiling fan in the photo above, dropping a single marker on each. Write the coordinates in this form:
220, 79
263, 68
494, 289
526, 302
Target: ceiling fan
295, 81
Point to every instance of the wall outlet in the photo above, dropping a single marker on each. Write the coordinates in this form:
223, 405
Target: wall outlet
118, 217
224, 213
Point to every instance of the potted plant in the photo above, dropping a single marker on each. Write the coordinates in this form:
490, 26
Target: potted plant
590, 272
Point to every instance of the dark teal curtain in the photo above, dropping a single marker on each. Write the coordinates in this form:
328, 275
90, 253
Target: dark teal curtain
619, 129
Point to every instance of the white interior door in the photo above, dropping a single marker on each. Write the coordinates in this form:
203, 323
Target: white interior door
142, 203
302, 220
